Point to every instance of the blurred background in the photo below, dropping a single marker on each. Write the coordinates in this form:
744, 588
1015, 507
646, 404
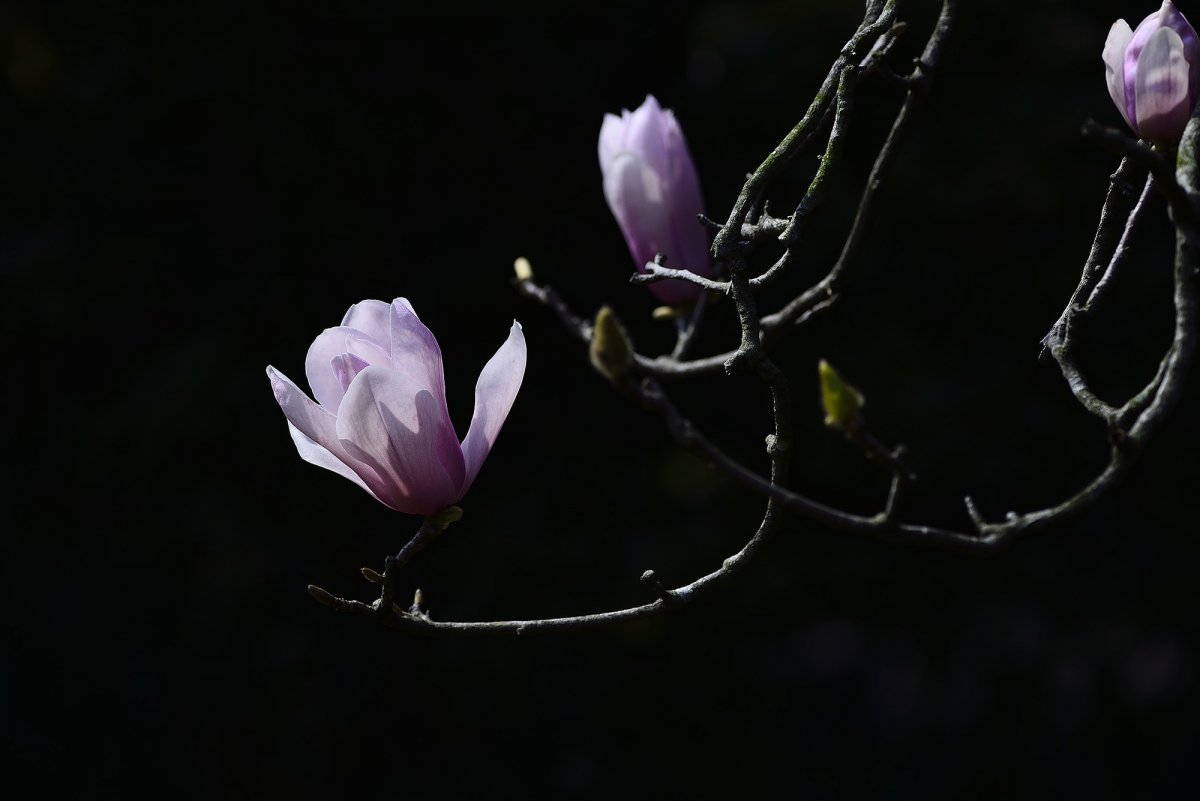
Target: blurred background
191, 192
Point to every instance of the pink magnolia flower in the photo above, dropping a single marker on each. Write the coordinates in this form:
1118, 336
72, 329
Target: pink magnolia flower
1154, 72
652, 189
380, 416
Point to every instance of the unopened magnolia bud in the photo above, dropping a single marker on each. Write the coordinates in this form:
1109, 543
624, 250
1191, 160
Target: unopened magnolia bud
523, 269
653, 190
371, 576
843, 403
611, 351
1153, 72
442, 519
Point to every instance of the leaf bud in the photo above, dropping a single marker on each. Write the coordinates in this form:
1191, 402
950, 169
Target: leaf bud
523, 269
843, 403
611, 351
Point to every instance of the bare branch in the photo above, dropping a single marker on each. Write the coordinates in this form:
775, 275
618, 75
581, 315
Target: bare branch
1129, 426
1122, 249
655, 272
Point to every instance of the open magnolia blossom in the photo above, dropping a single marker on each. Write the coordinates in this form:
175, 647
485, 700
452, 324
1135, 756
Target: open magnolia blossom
380, 417
1154, 73
652, 188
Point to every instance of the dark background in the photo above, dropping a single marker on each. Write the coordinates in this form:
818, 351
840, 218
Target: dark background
189, 192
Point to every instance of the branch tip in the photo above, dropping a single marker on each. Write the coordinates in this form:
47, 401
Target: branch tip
323, 597
418, 604
650, 579
973, 512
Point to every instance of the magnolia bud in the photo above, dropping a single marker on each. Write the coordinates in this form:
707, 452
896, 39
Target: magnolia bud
664, 313
843, 403
1154, 72
652, 188
523, 269
611, 351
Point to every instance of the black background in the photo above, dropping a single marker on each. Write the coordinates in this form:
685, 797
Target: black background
191, 192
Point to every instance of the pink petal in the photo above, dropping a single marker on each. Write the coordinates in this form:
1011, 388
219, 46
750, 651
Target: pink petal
416, 353
392, 422
635, 194
346, 367
331, 344
689, 238
1161, 92
645, 134
314, 431
495, 392
367, 348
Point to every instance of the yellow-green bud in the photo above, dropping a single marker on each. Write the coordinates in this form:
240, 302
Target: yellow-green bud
664, 313
523, 269
843, 403
611, 351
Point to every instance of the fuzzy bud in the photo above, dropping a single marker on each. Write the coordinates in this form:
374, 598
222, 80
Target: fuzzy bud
843, 403
611, 351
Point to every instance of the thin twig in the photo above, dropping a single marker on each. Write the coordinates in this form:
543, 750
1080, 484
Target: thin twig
655, 272
726, 243
1122, 249
689, 326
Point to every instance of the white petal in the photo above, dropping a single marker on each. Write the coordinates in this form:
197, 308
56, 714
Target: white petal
612, 136
1114, 63
370, 317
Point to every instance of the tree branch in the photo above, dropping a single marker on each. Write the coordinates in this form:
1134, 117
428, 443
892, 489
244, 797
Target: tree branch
1130, 425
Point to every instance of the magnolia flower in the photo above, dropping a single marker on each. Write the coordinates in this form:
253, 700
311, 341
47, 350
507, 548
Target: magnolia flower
652, 189
380, 416
1154, 72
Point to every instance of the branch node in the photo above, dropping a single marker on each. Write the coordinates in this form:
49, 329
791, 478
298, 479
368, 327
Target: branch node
651, 580
735, 362
777, 446
1118, 436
